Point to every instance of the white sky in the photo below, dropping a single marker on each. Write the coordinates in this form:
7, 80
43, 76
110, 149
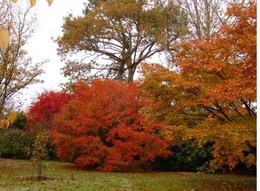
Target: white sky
41, 46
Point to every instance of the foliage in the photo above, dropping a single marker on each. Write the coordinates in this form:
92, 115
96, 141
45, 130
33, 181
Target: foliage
15, 143
4, 37
40, 152
33, 2
16, 69
20, 121
5, 32
41, 113
211, 97
90, 6
187, 157
8, 120
122, 33
100, 128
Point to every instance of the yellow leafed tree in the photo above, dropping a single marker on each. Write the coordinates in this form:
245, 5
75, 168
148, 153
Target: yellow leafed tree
212, 97
8, 120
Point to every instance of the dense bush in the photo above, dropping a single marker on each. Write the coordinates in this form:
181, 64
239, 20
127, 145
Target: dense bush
20, 121
101, 128
51, 151
187, 157
41, 113
15, 143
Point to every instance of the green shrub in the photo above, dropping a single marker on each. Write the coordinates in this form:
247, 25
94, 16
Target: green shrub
51, 155
187, 157
20, 121
15, 143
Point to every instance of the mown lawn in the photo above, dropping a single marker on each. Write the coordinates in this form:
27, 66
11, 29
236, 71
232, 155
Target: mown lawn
64, 176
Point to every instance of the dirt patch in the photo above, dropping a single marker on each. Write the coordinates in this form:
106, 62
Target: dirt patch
38, 178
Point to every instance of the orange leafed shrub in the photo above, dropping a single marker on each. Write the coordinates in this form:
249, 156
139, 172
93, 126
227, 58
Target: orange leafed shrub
101, 128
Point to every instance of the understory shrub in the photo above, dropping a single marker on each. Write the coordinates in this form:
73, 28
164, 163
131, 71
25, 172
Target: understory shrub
187, 157
15, 143
40, 152
20, 121
40, 116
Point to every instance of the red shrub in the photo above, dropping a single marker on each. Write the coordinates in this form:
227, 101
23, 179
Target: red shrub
101, 128
41, 113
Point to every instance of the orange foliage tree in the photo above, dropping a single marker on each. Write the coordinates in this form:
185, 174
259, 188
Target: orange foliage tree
213, 91
101, 128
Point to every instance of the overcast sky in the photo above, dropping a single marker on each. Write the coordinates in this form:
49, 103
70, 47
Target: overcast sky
42, 47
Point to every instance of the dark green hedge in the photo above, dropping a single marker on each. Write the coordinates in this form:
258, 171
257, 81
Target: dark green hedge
187, 157
15, 143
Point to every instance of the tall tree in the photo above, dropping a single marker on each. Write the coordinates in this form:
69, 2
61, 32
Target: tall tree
16, 69
212, 97
205, 17
115, 36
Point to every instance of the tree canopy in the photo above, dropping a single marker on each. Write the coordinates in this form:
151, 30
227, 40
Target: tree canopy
41, 113
101, 128
114, 37
212, 96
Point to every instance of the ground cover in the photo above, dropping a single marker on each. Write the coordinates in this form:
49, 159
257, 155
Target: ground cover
15, 175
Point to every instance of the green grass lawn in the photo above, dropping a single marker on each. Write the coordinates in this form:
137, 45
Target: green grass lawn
13, 175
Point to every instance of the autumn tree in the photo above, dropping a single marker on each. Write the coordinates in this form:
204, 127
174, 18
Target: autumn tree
115, 36
16, 69
212, 96
40, 153
5, 30
41, 113
205, 17
101, 128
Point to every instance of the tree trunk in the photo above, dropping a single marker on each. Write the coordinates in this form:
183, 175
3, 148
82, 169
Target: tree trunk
131, 72
120, 72
120, 75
